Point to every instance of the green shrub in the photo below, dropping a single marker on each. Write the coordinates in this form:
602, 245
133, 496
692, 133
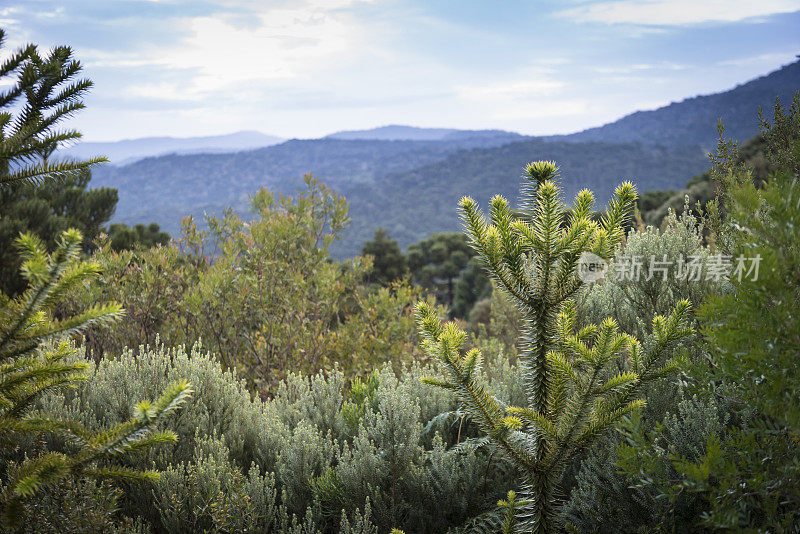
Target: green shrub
312, 456
211, 494
270, 302
633, 303
602, 499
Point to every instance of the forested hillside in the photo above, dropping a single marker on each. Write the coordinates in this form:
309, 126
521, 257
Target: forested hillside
130, 150
396, 132
413, 204
162, 188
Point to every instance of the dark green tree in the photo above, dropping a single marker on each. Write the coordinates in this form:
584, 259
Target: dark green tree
46, 210
388, 262
124, 237
578, 384
29, 130
472, 285
437, 261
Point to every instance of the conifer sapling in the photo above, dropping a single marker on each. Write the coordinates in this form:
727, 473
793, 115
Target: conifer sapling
578, 381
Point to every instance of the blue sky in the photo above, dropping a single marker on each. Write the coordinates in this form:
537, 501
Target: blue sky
306, 68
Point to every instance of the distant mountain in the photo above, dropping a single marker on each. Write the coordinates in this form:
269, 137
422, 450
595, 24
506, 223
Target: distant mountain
129, 150
411, 133
409, 187
693, 121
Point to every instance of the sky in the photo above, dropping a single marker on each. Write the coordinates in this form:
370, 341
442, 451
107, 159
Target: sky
306, 68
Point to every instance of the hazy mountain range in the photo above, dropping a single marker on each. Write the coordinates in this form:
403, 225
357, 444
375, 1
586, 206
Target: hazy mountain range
130, 150
408, 179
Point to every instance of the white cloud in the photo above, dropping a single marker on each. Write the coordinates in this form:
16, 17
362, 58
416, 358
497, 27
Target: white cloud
531, 95
762, 59
8, 16
161, 91
677, 12
98, 59
640, 67
284, 42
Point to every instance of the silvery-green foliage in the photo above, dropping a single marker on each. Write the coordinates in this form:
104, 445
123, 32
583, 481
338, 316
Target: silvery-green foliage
431, 403
686, 431
222, 405
388, 444
316, 400
295, 458
608, 500
422, 489
634, 301
212, 495
303, 456
501, 373
361, 523
602, 500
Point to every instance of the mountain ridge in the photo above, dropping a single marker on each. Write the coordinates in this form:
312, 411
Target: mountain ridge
694, 119
400, 132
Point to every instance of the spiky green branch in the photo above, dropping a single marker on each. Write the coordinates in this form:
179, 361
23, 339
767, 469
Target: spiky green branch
29, 134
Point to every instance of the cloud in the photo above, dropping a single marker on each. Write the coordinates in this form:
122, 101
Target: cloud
99, 59
8, 16
271, 43
531, 94
677, 12
640, 67
161, 91
761, 59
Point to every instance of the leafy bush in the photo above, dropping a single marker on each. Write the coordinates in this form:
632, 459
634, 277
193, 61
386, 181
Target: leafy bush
269, 302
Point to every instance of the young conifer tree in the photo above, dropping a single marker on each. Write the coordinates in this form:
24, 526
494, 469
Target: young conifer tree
578, 383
